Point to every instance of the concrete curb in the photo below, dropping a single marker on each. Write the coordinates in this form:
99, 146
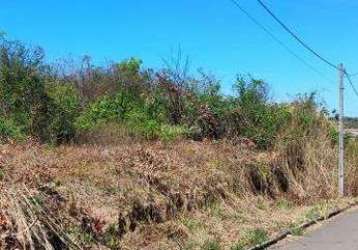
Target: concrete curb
305, 225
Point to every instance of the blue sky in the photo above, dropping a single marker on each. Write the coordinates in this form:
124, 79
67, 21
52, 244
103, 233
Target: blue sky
213, 33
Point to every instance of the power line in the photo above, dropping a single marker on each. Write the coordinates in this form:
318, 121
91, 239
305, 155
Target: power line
354, 75
277, 40
351, 83
254, 20
340, 68
305, 45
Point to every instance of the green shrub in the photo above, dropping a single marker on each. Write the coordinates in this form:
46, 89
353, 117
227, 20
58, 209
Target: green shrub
296, 230
254, 116
256, 236
267, 122
63, 111
237, 246
22, 96
107, 108
8, 130
211, 245
149, 129
333, 135
250, 239
101, 110
143, 118
170, 132
38, 101
307, 120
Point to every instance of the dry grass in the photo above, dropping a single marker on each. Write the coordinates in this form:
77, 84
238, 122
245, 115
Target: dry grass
182, 195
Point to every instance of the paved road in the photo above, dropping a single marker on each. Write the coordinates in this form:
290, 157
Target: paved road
339, 233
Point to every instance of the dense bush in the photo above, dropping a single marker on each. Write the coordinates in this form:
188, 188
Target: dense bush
22, 98
8, 130
63, 112
254, 116
40, 100
307, 119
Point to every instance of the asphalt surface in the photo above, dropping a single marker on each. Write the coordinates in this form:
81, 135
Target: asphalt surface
341, 232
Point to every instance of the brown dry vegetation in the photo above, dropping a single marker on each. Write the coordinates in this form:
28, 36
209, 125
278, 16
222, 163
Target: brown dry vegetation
153, 195
133, 179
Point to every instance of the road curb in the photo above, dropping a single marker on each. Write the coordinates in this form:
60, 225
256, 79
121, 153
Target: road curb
303, 226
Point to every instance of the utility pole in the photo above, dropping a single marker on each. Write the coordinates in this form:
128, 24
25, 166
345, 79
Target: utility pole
341, 131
